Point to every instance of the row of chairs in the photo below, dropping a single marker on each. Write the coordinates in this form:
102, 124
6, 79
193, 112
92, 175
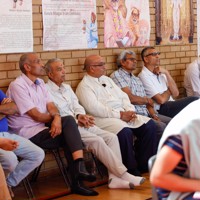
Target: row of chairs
63, 170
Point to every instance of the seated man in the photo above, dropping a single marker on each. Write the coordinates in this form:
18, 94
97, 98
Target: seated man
35, 109
4, 194
160, 86
133, 87
175, 173
113, 112
103, 144
192, 78
13, 146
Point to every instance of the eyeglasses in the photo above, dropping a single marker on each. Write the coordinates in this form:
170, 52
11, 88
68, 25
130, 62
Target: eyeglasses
131, 59
153, 54
99, 64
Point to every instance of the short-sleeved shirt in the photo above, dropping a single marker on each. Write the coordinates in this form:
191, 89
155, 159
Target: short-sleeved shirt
3, 122
175, 143
153, 84
27, 95
64, 99
124, 79
192, 79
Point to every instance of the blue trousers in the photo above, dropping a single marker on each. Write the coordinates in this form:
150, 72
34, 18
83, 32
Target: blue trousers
30, 154
172, 108
136, 153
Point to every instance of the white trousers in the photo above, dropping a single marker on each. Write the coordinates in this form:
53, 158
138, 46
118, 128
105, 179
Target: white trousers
105, 146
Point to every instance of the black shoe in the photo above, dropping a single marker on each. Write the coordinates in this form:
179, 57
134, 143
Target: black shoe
134, 172
81, 172
81, 189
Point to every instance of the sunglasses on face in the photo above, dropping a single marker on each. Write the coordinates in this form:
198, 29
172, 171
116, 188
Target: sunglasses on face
153, 54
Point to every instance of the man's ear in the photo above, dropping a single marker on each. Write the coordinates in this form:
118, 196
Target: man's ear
27, 67
122, 62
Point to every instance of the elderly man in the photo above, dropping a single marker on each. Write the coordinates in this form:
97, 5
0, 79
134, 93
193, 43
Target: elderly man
160, 86
13, 146
125, 79
114, 112
192, 78
36, 109
103, 144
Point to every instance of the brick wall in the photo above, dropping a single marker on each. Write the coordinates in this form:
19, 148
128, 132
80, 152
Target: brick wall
174, 58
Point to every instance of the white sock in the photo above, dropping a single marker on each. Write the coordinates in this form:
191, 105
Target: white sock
136, 180
115, 183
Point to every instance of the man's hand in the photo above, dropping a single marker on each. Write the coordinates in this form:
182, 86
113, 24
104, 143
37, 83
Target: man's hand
128, 116
6, 100
85, 121
150, 102
8, 144
56, 126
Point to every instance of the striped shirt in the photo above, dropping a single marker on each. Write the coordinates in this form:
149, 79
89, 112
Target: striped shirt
124, 79
176, 144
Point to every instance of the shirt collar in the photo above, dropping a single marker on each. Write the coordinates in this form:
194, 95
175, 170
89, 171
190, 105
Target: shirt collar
54, 87
124, 72
29, 81
147, 71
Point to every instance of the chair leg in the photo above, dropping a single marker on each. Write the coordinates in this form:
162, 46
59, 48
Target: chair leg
36, 173
97, 166
61, 166
28, 188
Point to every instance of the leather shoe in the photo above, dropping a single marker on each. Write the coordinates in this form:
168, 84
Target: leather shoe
82, 189
81, 173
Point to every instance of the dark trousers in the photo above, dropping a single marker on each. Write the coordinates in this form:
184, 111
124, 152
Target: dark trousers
136, 156
172, 108
69, 139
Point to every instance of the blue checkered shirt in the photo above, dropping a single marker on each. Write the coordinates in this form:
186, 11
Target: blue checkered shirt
124, 79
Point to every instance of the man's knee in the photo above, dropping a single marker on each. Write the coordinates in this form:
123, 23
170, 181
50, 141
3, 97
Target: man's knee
68, 121
9, 163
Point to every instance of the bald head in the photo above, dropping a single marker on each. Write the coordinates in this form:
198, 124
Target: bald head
91, 60
95, 66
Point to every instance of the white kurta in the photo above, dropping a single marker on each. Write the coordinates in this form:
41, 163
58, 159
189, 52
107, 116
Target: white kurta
102, 98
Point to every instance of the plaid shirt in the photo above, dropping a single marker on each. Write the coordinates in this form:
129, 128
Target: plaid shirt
124, 79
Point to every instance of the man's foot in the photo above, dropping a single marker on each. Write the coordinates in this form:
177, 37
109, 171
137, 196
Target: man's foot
81, 173
118, 183
136, 180
82, 189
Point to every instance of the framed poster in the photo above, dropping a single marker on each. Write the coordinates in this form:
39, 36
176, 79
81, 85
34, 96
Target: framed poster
174, 22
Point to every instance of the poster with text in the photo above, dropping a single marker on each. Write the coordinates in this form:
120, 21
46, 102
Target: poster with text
69, 24
174, 22
16, 32
198, 27
126, 23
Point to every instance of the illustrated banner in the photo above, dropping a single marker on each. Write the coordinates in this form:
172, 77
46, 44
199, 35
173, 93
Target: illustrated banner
174, 22
198, 27
69, 24
16, 31
126, 23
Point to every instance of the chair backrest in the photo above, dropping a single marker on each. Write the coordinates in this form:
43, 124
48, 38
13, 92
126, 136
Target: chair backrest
150, 165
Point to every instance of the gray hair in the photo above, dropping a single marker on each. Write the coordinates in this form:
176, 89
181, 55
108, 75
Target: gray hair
49, 62
122, 56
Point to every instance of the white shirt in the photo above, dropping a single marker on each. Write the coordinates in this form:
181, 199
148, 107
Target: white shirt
153, 84
192, 79
65, 99
104, 100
